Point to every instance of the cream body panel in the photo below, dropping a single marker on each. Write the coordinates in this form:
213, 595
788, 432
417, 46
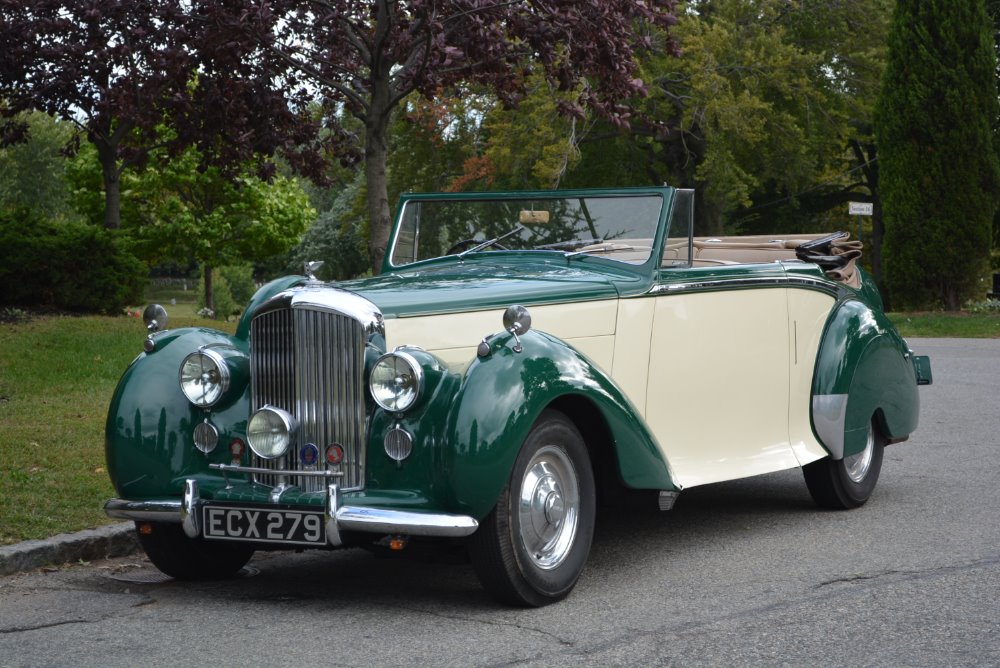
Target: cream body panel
587, 326
808, 311
632, 342
717, 397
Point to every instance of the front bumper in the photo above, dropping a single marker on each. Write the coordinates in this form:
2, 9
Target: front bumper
187, 512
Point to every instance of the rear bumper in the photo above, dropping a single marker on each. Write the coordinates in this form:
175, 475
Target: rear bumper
187, 512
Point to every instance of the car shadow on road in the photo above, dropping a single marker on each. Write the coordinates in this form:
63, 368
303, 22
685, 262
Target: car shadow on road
626, 534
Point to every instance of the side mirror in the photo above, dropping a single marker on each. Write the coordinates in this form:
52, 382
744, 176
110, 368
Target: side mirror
155, 317
516, 319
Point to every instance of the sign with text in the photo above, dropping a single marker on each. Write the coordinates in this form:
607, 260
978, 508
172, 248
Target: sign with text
860, 208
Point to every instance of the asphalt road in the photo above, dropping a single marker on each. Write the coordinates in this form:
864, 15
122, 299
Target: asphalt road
743, 573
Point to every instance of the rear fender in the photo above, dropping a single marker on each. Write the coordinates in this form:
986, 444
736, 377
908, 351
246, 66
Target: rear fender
863, 371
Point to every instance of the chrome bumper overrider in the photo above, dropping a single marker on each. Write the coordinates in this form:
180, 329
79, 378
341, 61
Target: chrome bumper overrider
187, 512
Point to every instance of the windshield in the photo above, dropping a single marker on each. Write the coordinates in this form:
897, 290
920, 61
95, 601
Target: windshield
620, 227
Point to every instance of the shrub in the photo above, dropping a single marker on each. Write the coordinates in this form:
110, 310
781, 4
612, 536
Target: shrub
71, 266
232, 288
240, 280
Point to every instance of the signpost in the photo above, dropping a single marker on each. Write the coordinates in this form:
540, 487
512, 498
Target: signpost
860, 209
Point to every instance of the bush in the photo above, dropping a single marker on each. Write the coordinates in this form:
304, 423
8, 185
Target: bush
232, 287
985, 307
71, 266
240, 280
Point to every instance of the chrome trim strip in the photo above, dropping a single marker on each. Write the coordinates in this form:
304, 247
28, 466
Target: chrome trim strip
745, 282
828, 414
325, 297
412, 523
235, 468
144, 511
191, 509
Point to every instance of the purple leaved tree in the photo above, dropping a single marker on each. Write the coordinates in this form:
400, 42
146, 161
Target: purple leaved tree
365, 56
124, 72
104, 65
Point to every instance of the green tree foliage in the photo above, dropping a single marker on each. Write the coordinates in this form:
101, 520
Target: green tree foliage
760, 108
533, 146
935, 123
180, 210
32, 172
337, 238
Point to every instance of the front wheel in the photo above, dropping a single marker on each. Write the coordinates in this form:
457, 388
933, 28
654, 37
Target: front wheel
171, 551
849, 482
531, 548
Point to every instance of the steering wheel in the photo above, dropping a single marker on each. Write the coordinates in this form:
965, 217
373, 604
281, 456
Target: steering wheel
460, 246
465, 244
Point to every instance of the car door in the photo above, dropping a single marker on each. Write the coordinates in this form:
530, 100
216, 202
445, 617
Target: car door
717, 395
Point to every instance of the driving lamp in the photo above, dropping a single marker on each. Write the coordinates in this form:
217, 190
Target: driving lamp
204, 377
396, 381
270, 432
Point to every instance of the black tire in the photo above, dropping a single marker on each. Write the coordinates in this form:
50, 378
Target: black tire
849, 482
171, 551
553, 473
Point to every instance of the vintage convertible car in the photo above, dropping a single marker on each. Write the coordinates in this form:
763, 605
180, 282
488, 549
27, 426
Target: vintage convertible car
631, 355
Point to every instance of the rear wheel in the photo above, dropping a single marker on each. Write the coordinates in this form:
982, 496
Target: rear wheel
171, 551
849, 482
531, 549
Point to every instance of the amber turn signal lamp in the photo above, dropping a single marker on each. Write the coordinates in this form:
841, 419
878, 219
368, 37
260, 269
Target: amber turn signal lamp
397, 543
145, 528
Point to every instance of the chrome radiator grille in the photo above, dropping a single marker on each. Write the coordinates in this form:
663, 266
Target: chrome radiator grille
311, 363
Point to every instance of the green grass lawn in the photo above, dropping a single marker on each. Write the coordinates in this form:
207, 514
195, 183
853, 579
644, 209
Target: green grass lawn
57, 374
947, 325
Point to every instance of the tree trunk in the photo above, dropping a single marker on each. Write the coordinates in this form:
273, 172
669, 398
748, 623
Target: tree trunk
209, 291
108, 155
376, 119
376, 157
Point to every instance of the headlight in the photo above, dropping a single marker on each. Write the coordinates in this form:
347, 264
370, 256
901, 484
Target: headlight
204, 377
270, 432
396, 381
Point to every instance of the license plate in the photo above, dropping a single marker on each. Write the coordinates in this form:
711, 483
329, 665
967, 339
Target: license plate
294, 527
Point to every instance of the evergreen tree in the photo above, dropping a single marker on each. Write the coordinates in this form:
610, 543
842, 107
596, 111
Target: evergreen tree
940, 177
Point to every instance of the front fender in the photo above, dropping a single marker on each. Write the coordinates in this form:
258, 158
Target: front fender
863, 371
148, 434
502, 395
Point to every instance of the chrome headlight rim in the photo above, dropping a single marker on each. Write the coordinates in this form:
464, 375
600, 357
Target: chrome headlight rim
221, 382
415, 369
287, 422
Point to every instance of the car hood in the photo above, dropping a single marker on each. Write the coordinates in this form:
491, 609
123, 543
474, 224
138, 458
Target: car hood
474, 285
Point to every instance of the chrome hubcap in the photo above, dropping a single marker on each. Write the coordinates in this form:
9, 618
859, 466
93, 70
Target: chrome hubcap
549, 507
857, 465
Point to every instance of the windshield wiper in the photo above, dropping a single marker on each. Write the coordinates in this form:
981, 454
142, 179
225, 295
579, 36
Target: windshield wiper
490, 242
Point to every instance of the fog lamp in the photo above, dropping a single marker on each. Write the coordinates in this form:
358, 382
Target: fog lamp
398, 444
206, 437
270, 432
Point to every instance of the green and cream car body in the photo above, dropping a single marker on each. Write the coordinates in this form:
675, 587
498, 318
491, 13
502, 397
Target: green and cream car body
519, 355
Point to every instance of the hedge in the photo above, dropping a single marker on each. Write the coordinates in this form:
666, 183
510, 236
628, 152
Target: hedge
70, 266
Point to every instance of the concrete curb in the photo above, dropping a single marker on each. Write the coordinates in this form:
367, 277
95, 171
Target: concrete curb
113, 540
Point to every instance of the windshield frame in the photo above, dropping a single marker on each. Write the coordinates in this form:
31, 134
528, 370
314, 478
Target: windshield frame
653, 261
